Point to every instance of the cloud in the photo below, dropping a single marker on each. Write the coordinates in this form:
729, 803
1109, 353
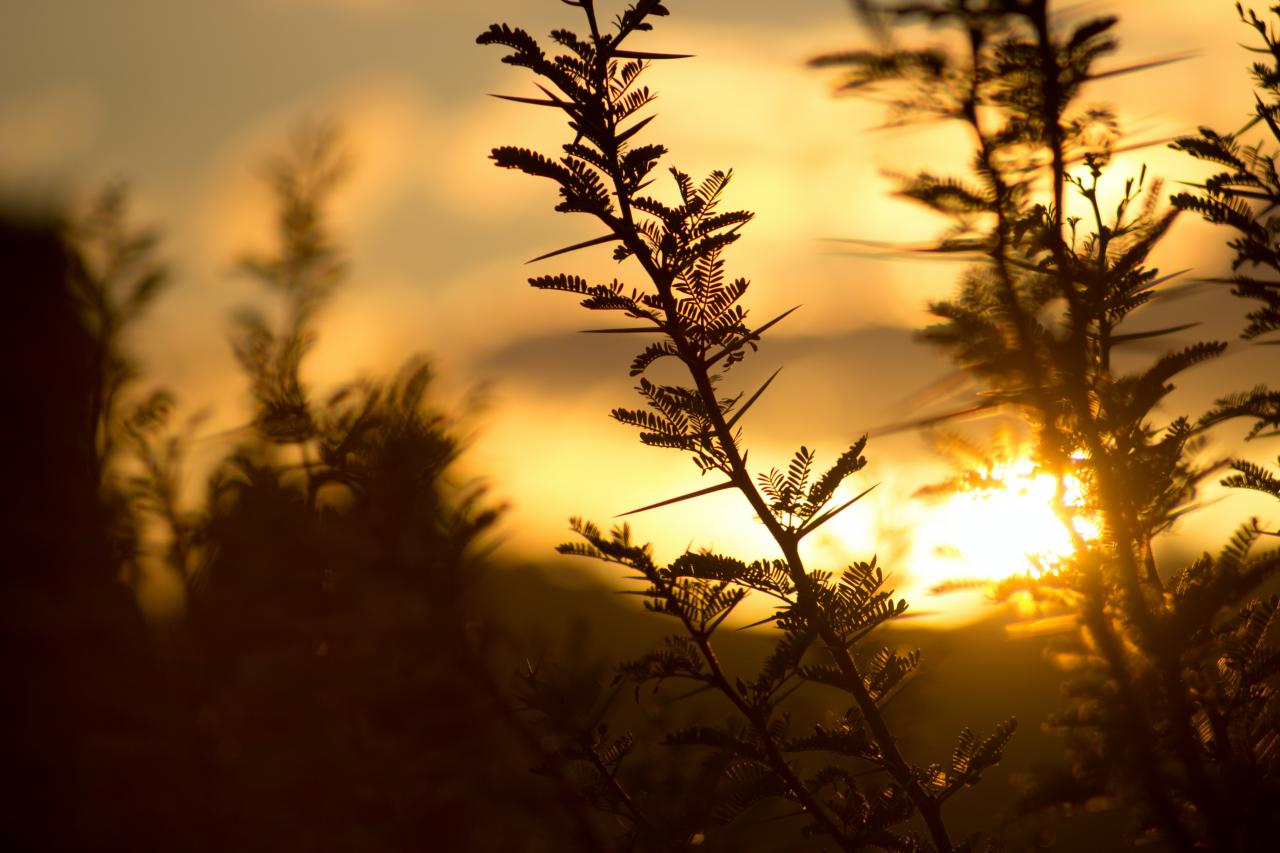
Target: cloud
826, 376
45, 130
388, 127
374, 7
438, 237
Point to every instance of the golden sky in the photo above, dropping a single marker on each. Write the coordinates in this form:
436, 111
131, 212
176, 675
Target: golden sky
184, 98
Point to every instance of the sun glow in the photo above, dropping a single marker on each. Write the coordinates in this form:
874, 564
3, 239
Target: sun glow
1007, 526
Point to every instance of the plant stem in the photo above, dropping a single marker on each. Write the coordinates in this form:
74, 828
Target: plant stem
663, 275
928, 807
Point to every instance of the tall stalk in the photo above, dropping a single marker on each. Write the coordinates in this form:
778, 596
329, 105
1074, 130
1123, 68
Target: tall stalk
699, 321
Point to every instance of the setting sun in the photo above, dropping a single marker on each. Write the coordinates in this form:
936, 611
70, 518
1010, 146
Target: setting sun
1005, 527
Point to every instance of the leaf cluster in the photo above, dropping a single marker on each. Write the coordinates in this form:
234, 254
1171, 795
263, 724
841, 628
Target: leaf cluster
1058, 285
1243, 195
115, 280
759, 753
696, 312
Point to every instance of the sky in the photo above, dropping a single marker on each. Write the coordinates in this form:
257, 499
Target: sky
184, 100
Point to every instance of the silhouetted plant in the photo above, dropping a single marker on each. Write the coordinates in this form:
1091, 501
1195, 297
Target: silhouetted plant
1243, 197
330, 683
332, 686
88, 748
115, 281
1170, 703
340, 654
695, 313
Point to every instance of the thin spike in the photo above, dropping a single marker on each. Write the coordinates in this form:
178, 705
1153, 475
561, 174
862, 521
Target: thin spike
550, 94
742, 411
1257, 196
645, 54
1164, 278
1236, 193
724, 614
774, 321
832, 513
755, 335
1154, 333
537, 102
890, 429
1265, 115
765, 621
728, 484
1143, 66
607, 238
1188, 288
635, 128
630, 330
930, 251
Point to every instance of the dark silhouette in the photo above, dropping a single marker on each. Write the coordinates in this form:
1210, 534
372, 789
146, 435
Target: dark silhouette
333, 682
763, 768
1243, 196
88, 752
1170, 704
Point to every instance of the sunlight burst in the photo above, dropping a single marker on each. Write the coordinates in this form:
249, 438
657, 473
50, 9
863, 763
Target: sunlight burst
1006, 527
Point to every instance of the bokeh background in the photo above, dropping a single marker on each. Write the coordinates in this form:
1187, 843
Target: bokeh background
183, 100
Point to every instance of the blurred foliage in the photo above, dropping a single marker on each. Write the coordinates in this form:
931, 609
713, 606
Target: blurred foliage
1243, 196
1170, 705
332, 682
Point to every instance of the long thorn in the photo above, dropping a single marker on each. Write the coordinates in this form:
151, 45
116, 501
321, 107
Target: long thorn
628, 330
537, 102
596, 241
645, 54
742, 411
830, 514
751, 336
720, 487
1154, 333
